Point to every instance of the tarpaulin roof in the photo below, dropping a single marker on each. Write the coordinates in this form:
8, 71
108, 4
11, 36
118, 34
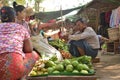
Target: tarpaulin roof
46, 16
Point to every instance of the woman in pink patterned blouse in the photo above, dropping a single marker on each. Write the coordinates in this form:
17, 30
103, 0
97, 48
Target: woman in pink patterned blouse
16, 57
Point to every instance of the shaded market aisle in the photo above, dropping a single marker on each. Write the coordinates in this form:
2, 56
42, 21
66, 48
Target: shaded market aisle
109, 67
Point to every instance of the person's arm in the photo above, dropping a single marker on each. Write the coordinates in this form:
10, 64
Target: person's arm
86, 34
32, 30
27, 46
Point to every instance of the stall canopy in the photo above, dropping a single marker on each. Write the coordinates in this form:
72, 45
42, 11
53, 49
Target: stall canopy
46, 16
98, 4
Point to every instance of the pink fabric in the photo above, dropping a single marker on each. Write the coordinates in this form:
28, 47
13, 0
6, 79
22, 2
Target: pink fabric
13, 66
25, 24
12, 36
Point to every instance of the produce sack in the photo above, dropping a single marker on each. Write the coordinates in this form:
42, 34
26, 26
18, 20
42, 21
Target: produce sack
42, 46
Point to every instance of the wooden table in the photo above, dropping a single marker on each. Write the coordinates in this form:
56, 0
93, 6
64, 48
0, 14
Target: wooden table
63, 78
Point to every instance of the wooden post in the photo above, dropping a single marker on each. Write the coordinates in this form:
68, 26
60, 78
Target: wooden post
97, 19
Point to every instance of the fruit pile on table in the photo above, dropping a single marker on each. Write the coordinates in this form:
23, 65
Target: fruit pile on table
74, 66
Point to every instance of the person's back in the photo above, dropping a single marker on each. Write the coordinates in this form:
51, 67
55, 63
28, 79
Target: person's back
92, 39
11, 37
16, 56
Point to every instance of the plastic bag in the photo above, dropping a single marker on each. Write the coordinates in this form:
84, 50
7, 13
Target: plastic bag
45, 50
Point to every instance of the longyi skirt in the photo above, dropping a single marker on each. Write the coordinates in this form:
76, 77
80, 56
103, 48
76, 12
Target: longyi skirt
13, 66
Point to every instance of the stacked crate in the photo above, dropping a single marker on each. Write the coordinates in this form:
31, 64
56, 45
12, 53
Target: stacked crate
116, 47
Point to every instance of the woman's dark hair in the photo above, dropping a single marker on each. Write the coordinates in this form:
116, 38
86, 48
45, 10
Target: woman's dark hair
7, 14
18, 8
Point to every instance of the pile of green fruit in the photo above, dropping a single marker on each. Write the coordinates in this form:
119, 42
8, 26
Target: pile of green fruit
79, 65
59, 44
39, 68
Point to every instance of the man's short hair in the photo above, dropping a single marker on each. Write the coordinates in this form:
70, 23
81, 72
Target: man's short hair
82, 20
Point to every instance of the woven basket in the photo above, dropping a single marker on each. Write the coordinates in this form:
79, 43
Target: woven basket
113, 33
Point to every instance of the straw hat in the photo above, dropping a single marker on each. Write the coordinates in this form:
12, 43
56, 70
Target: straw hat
29, 11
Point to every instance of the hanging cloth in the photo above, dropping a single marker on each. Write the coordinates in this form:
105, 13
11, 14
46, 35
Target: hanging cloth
113, 18
118, 17
107, 16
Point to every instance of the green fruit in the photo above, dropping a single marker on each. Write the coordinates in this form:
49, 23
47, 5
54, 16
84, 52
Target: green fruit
39, 73
66, 62
79, 67
75, 63
54, 58
82, 67
91, 71
84, 59
59, 67
84, 72
33, 73
56, 62
75, 71
53, 67
50, 64
69, 68
50, 70
65, 71
43, 69
34, 68
85, 67
90, 65
56, 72
45, 72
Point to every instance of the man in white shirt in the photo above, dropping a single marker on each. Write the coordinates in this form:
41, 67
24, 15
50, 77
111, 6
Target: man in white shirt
85, 41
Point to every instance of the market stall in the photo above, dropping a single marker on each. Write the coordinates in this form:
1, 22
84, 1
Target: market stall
69, 69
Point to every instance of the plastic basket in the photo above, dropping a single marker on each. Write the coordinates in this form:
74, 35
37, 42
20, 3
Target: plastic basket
113, 33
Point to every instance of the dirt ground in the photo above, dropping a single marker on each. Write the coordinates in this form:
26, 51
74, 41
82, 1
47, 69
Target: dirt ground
109, 67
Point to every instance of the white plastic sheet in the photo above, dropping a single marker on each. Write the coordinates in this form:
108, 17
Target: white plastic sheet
46, 51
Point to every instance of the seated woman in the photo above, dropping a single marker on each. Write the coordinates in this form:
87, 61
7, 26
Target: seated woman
85, 41
16, 56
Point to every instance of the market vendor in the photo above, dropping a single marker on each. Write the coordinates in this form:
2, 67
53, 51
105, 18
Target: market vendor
16, 56
21, 13
84, 41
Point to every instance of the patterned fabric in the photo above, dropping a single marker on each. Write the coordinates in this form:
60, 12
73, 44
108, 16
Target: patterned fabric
12, 36
13, 66
25, 24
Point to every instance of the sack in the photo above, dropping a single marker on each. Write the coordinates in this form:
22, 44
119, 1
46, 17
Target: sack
45, 50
